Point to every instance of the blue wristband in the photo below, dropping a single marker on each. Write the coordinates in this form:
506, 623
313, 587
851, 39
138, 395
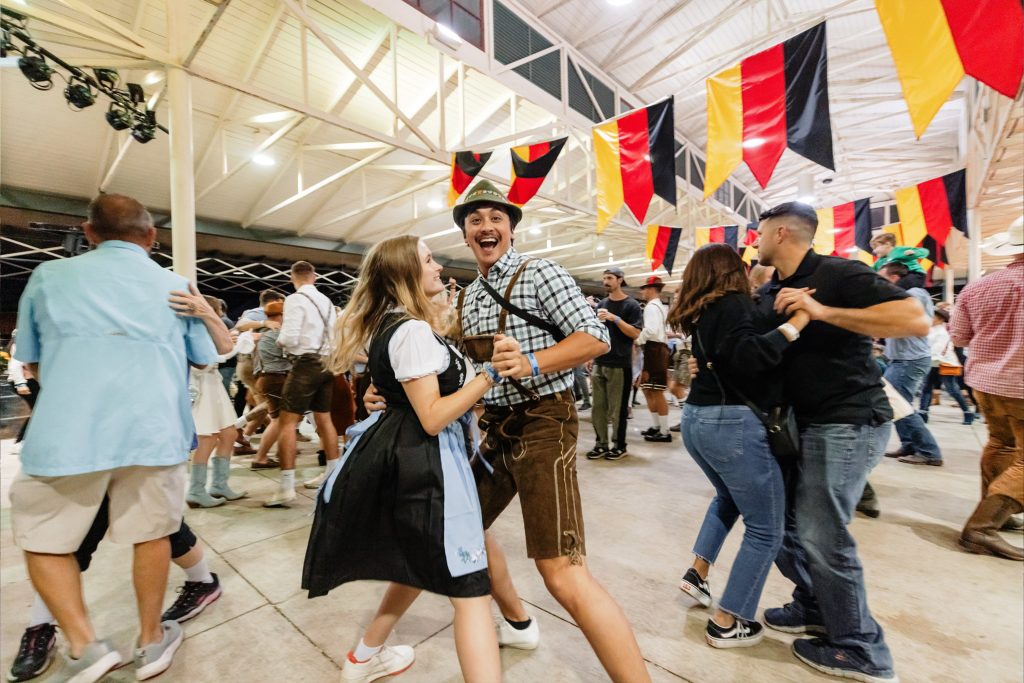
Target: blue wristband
533, 364
495, 377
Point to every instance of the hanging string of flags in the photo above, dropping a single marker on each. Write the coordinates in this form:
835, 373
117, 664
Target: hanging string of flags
778, 99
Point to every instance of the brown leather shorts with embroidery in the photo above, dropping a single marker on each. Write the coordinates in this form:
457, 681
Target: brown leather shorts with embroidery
532, 450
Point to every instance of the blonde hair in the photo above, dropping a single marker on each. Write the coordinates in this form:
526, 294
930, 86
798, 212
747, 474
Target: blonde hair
391, 275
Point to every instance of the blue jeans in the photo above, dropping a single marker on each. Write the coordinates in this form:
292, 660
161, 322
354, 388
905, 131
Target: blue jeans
729, 443
947, 382
818, 554
907, 377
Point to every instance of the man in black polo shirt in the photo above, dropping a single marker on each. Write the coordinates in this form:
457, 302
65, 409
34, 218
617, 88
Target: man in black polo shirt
836, 390
612, 374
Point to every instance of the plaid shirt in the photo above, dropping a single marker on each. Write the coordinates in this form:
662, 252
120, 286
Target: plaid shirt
546, 290
989, 321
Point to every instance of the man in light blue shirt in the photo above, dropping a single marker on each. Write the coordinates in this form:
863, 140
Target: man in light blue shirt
910, 362
113, 420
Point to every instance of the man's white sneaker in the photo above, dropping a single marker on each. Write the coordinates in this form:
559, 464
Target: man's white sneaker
315, 482
525, 639
281, 499
389, 661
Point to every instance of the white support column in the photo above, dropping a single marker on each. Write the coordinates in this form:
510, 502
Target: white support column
949, 279
974, 245
183, 186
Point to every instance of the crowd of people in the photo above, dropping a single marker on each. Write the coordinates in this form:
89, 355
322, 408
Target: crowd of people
434, 410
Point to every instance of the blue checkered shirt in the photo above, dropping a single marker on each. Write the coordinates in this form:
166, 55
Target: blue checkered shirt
544, 289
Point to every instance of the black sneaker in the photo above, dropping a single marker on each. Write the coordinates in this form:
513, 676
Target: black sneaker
675, 428
818, 654
696, 587
650, 431
195, 596
586, 406
615, 454
35, 654
658, 437
792, 619
597, 452
741, 634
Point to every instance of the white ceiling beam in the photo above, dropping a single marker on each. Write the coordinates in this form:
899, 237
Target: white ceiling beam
329, 180
374, 204
360, 74
263, 146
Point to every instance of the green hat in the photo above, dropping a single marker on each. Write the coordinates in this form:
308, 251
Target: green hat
484, 192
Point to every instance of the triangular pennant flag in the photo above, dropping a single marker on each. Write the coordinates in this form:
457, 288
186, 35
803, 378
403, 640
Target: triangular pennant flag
774, 99
935, 42
465, 166
662, 244
530, 165
929, 210
635, 156
719, 234
842, 229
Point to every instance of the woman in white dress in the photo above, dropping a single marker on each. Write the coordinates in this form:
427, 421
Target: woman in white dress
215, 417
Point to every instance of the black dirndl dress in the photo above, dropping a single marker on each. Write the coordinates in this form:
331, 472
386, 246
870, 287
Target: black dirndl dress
382, 515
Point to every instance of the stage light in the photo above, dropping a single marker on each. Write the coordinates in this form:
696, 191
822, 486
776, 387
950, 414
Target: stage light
119, 117
144, 129
37, 71
107, 78
79, 94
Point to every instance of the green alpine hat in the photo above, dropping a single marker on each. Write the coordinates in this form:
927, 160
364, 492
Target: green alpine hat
484, 192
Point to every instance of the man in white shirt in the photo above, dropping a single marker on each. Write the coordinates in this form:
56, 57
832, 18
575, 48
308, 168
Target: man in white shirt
654, 339
306, 337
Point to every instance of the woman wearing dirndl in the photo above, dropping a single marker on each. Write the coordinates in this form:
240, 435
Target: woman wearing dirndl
402, 506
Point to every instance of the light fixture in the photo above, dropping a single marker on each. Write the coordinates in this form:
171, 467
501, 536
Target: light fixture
153, 77
435, 203
535, 231
118, 116
79, 94
446, 36
271, 117
263, 159
618, 3
37, 71
600, 246
751, 143
805, 188
144, 129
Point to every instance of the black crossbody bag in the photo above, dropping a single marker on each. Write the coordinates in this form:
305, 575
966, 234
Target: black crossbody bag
779, 421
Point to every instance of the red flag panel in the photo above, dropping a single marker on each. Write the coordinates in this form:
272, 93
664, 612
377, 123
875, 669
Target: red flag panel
717, 235
935, 207
660, 246
764, 111
635, 162
989, 37
845, 225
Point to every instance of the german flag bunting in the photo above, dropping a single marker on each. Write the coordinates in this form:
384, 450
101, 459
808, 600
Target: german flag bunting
530, 166
465, 166
774, 99
845, 230
749, 253
635, 156
935, 42
719, 234
929, 210
662, 244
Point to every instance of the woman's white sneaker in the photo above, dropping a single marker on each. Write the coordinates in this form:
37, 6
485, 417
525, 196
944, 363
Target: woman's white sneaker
521, 639
389, 661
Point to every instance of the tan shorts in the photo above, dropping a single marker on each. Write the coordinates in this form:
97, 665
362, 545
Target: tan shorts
532, 450
52, 515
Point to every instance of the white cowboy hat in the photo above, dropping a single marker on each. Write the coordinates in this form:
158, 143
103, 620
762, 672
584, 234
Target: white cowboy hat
1009, 243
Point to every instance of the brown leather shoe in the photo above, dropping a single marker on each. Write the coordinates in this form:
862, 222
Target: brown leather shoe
898, 453
916, 459
270, 464
245, 450
981, 535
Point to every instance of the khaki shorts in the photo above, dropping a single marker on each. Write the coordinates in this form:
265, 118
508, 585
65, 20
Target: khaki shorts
309, 386
532, 449
681, 367
52, 515
656, 361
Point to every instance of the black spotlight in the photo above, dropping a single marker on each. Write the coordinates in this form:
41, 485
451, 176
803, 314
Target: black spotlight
79, 94
107, 78
37, 71
144, 129
119, 117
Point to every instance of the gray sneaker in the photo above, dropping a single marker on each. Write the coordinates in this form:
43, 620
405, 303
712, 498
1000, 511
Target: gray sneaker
152, 660
97, 660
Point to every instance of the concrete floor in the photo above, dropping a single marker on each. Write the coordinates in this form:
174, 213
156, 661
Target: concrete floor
949, 616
